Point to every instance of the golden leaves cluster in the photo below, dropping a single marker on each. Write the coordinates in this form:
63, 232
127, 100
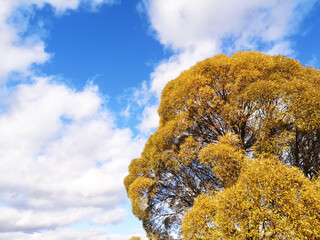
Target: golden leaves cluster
269, 201
225, 158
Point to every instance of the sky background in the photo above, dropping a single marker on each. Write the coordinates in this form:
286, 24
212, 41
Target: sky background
80, 83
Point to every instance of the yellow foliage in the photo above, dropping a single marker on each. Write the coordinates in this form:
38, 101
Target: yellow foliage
225, 158
138, 167
269, 201
139, 192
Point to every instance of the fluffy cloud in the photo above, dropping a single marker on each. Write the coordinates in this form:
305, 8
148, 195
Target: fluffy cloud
12, 220
195, 30
65, 234
20, 50
150, 119
17, 53
62, 158
185, 23
171, 68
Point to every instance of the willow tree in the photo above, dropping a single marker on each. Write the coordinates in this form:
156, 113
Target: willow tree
213, 118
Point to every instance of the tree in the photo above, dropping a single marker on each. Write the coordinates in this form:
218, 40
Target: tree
213, 117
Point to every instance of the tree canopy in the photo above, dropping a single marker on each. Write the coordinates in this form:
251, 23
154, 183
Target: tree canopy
223, 124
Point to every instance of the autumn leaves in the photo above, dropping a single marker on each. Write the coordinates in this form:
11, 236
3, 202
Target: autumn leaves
269, 201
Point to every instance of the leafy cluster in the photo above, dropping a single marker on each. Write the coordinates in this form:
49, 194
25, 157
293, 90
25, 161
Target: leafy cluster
222, 125
269, 201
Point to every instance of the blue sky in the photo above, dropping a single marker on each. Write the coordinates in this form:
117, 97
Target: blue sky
80, 82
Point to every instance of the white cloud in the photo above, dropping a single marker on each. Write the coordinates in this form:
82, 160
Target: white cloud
12, 219
20, 50
150, 119
62, 158
183, 23
313, 62
281, 48
66, 234
171, 68
126, 113
18, 54
114, 216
